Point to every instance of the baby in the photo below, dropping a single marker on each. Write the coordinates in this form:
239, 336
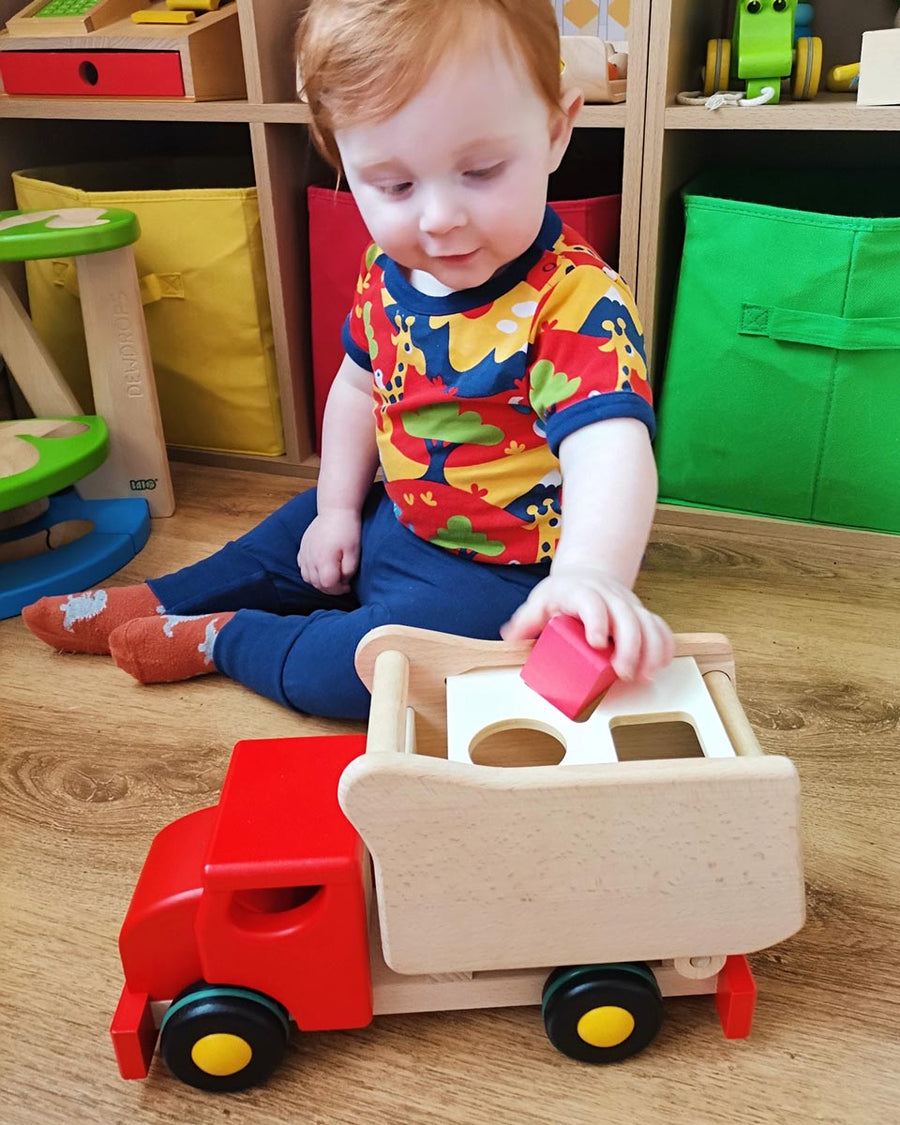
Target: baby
494, 370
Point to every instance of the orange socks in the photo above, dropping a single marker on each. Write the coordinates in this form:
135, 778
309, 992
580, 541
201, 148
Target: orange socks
166, 648
129, 623
83, 622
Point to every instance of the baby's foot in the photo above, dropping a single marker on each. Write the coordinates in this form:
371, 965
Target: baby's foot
83, 622
162, 649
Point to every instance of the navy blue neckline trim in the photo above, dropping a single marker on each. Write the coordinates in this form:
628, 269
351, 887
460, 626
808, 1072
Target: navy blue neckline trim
464, 300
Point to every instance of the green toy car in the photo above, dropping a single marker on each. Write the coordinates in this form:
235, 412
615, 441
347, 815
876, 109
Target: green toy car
762, 51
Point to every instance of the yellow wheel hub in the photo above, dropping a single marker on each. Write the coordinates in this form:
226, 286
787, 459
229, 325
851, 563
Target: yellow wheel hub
221, 1054
605, 1027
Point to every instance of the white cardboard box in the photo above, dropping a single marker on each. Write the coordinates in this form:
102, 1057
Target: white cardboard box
879, 68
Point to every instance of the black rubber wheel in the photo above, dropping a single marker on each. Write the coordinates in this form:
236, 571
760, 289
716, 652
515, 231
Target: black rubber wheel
602, 1013
223, 1039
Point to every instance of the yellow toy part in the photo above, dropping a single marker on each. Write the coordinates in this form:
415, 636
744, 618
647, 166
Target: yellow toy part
607, 1026
807, 69
718, 66
193, 5
843, 79
153, 16
221, 1054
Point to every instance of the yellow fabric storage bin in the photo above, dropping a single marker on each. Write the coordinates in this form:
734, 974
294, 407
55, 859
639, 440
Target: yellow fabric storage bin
203, 282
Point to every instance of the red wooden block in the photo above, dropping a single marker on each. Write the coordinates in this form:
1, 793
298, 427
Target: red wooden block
566, 670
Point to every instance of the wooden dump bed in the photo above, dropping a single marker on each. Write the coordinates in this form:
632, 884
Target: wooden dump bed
484, 867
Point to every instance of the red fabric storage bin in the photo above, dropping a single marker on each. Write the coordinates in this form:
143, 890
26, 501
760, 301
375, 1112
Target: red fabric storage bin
338, 237
597, 220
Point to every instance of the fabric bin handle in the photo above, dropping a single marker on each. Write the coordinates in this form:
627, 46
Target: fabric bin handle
793, 326
153, 286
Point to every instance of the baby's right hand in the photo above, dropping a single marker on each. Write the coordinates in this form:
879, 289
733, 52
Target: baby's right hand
329, 551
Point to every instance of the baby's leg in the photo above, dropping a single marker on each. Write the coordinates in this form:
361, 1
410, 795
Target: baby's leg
307, 663
258, 570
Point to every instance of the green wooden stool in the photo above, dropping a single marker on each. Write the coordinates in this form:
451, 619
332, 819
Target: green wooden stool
40, 456
117, 461
99, 239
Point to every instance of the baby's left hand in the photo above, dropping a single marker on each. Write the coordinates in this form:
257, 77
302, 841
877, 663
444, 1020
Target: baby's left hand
643, 642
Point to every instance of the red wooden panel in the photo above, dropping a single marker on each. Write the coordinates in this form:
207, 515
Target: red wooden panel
279, 821
101, 74
736, 997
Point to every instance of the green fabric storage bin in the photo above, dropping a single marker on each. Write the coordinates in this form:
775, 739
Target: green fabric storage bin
781, 389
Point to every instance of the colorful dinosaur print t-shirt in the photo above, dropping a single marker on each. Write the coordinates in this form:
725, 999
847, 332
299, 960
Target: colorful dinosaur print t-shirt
476, 390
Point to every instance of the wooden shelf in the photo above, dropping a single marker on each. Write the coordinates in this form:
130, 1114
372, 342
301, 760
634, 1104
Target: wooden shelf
305, 466
172, 109
144, 109
603, 116
829, 112
153, 109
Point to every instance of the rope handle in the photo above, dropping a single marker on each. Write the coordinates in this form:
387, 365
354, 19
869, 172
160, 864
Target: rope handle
725, 98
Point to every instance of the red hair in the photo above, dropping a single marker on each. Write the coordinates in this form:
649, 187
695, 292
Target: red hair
362, 60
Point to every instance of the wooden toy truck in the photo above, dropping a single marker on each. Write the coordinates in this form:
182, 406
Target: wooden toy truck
659, 849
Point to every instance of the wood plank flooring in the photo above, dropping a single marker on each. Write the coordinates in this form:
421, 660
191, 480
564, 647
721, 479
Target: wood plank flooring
92, 765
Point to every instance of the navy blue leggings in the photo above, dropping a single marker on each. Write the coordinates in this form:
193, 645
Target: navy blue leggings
292, 643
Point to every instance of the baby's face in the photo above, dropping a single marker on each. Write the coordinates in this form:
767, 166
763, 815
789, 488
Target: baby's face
455, 182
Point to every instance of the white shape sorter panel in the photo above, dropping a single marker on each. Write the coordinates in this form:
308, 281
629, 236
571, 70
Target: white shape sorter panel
500, 699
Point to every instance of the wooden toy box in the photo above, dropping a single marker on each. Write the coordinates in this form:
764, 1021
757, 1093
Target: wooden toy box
200, 61
688, 852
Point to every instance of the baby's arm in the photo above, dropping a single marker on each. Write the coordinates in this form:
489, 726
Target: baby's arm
329, 551
609, 497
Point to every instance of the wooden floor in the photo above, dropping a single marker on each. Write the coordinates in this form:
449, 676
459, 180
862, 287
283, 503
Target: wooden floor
92, 765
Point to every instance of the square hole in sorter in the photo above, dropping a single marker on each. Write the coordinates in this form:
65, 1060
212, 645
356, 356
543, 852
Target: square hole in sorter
637, 740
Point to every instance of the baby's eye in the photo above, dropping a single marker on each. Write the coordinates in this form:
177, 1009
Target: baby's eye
395, 191
488, 173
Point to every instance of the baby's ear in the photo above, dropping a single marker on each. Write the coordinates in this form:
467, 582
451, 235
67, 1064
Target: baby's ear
562, 124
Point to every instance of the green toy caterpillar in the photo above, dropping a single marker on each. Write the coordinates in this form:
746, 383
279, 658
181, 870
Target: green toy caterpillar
763, 50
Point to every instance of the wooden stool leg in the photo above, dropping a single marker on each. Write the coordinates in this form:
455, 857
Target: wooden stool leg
38, 377
124, 387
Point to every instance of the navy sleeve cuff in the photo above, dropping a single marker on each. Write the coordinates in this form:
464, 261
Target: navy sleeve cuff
598, 408
359, 357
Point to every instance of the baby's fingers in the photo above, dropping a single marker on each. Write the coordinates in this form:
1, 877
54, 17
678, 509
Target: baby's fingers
349, 563
527, 621
658, 646
627, 636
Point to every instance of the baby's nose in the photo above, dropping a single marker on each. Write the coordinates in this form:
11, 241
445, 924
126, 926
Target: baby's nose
441, 213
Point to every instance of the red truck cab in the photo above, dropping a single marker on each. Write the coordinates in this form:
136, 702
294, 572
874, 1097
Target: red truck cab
248, 914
